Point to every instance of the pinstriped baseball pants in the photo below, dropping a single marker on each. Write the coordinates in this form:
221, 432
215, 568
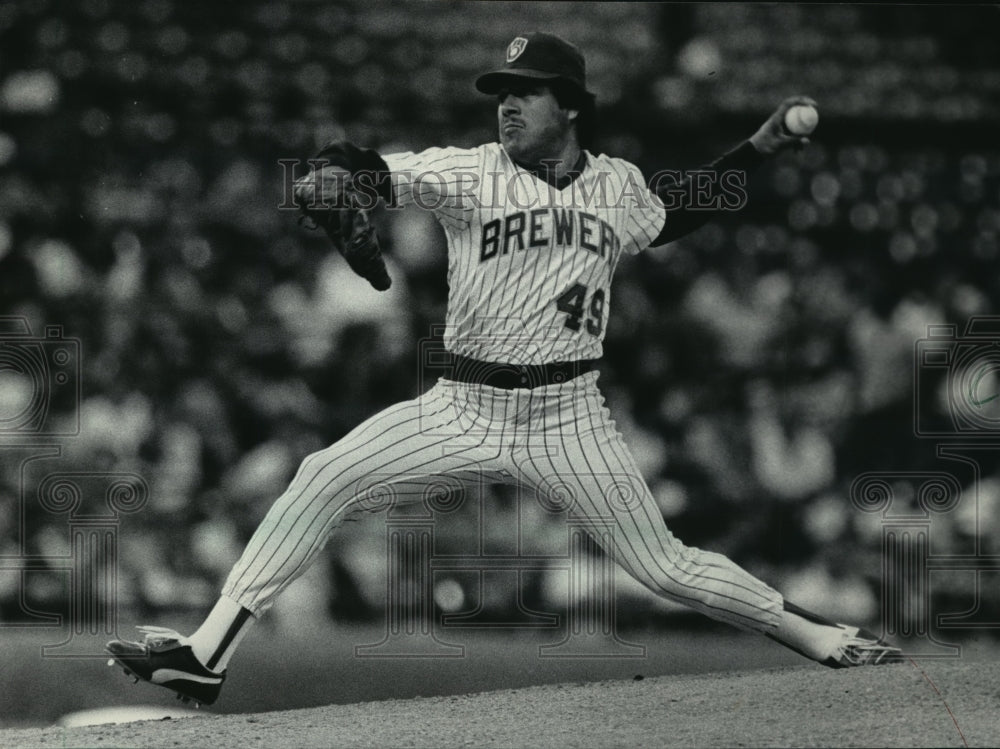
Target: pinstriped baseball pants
556, 440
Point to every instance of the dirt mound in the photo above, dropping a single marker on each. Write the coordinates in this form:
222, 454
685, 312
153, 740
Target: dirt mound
912, 704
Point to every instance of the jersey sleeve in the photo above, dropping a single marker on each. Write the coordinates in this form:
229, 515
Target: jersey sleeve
646, 212
442, 180
725, 191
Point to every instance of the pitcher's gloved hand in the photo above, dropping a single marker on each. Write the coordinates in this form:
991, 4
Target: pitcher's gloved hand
328, 199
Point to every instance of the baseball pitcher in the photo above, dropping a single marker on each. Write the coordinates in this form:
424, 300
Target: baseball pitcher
536, 225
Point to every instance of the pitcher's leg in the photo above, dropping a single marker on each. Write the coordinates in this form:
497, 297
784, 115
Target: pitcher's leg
705, 581
593, 470
608, 493
383, 460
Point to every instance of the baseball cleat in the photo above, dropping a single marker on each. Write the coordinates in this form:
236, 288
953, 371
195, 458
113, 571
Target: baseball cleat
862, 648
165, 658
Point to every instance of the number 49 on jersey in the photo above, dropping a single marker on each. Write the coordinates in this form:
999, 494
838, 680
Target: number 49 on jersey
574, 303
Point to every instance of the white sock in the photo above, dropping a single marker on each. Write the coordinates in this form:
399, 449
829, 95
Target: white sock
818, 641
217, 638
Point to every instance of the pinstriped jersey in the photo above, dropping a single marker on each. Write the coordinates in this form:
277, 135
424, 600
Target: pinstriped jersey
529, 264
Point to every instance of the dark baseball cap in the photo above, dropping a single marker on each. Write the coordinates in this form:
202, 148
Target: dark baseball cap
539, 56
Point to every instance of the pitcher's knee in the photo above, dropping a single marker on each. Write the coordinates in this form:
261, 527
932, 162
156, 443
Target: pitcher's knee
334, 469
319, 482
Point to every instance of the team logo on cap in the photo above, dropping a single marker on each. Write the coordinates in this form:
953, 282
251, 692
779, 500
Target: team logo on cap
515, 48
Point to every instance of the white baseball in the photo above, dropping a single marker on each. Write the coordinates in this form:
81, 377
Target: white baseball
801, 119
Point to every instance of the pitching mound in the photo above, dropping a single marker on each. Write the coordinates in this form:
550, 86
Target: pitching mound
914, 704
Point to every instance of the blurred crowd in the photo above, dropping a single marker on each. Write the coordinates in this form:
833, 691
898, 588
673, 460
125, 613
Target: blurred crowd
756, 367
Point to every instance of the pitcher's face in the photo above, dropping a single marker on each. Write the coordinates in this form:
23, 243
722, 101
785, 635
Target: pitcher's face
533, 127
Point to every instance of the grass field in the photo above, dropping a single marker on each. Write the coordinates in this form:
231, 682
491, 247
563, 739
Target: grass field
712, 688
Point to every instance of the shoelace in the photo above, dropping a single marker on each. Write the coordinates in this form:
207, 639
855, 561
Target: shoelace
158, 636
858, 652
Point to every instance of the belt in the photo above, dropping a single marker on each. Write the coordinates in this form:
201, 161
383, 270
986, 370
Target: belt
514, 376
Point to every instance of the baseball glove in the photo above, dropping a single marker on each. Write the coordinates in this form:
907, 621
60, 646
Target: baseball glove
347, 226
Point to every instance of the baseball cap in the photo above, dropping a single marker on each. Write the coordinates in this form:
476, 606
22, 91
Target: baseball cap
540, 56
